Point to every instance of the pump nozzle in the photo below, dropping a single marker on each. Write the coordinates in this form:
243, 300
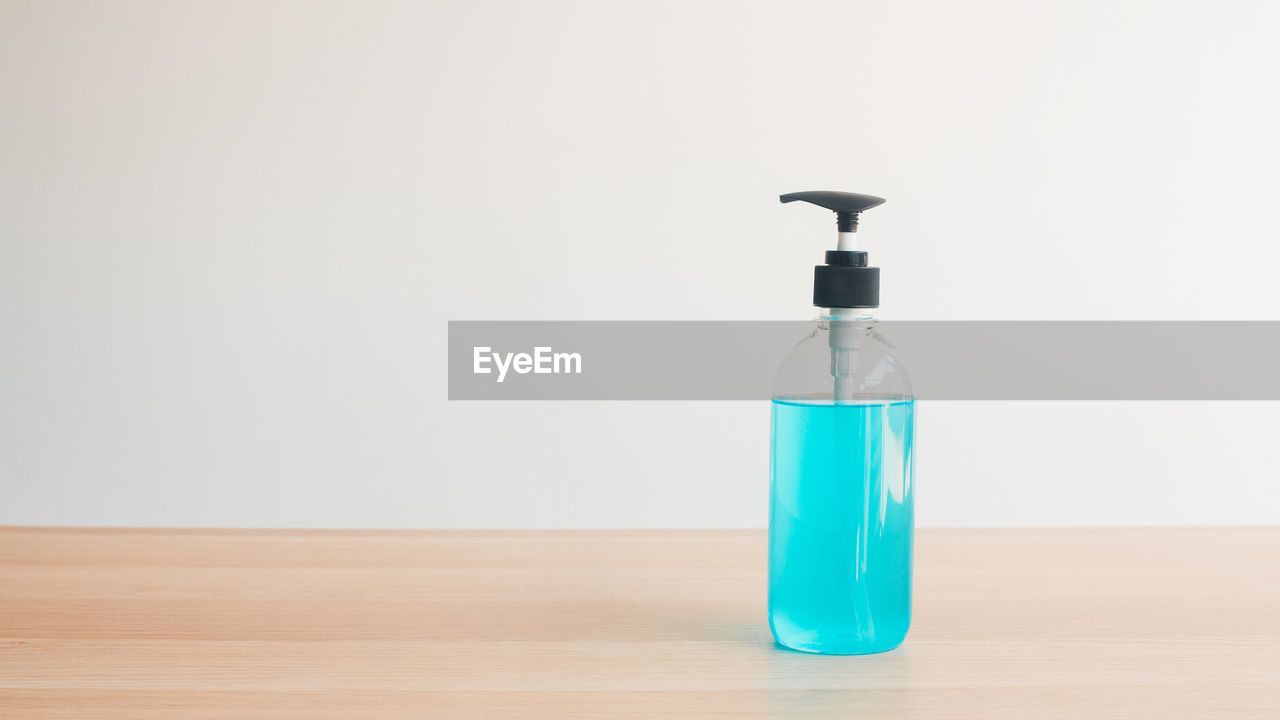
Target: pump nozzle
845, 281
847, 205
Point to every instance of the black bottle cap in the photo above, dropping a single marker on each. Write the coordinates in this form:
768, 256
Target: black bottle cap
845, 281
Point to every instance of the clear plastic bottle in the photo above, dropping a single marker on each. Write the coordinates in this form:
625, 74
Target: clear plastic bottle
841, 510
841, 507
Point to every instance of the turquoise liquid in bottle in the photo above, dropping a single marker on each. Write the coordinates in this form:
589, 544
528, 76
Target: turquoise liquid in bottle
840, 524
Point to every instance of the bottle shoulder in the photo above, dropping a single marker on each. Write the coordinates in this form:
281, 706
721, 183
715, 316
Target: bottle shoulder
848, 360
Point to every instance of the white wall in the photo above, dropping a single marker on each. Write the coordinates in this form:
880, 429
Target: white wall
231, 234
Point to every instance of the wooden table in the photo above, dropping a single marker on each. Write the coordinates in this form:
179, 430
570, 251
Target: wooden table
328, 624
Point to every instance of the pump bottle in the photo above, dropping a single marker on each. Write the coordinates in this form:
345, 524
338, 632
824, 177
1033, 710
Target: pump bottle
841, 509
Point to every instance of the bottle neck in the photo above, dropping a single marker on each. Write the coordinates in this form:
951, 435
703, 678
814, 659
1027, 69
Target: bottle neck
846, 314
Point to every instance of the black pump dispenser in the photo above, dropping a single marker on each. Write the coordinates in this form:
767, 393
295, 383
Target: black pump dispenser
845, 281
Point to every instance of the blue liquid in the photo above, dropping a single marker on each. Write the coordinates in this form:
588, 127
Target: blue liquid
841, 518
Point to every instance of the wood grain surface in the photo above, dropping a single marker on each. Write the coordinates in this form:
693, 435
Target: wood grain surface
1116, 623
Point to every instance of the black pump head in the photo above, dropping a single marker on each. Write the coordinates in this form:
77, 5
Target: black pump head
845, 281
847, 205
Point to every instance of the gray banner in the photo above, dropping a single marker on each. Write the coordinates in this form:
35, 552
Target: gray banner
713, 360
